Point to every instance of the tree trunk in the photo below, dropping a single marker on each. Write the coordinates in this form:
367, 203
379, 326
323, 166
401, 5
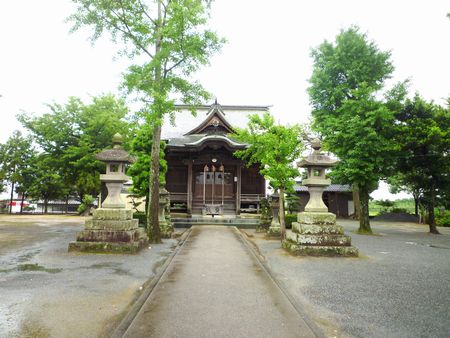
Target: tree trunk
66, 211
281, 215
21, 203
356, 203
45, 205
431, 218
416, 204
11, 198
153, 230
364, 222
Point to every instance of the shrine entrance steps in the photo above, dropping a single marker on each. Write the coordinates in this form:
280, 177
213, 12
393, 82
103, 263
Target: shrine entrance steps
225, 220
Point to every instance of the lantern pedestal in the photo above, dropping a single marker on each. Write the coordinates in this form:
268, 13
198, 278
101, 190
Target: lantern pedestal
110, 231
317, 234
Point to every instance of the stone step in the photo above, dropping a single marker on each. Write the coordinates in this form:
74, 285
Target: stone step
319, 250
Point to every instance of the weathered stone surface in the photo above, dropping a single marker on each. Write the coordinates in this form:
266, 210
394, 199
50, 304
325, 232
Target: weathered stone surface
95, 224
112, 214
108, 247
274, 231
316, 218
108, 236
317, 229
318, 250
323, 239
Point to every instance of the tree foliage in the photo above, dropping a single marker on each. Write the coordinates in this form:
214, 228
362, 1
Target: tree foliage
274, 148
72, 133
422, 165
15, 156
171, 38
354, 123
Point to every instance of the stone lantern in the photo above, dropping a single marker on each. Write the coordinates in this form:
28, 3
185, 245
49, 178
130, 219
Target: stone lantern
164, 224
316, 233
112, 228
116, 160
316, 164
275, 227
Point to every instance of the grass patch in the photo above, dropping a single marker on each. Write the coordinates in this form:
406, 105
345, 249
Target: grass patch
36, 267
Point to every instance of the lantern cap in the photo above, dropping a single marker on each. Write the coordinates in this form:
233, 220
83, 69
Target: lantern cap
317, 158
117, 153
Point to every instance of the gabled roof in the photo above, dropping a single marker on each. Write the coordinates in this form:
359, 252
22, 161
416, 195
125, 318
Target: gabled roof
184, 122
214, 117
215, 127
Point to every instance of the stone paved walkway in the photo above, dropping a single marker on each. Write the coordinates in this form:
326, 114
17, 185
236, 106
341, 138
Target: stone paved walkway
215, 287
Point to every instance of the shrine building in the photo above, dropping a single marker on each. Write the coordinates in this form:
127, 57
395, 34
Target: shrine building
203, 176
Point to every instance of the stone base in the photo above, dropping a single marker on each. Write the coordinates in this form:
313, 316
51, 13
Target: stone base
108, 247
319, 250
110, 231
274, 232
317, 234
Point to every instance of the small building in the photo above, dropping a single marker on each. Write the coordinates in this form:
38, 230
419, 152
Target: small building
337, 197
202, 171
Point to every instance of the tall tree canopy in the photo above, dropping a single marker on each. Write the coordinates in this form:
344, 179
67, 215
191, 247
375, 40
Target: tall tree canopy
274, 148
354, 123
171, 38
15, 156
72, 133
422, 165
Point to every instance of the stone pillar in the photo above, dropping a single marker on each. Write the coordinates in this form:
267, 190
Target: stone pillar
275, 227
165, 227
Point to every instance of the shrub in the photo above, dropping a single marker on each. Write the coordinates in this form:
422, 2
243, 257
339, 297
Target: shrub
141, 217
444, 219
399, 211
289, 218
86, 204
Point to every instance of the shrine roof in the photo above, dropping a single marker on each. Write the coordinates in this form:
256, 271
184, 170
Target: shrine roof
196, 140
185, 123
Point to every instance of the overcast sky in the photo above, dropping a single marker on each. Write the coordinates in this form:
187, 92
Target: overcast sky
265, 62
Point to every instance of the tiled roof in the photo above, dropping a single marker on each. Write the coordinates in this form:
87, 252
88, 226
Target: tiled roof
236, 116
331, 188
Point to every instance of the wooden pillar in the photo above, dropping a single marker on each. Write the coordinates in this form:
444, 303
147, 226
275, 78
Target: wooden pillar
189, 189
238, 189
337, 203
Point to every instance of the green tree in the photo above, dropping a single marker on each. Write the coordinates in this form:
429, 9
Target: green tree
274, 148
172, 39
47, 183
15, 156
422, 131
73, 133
141, 146
345, 84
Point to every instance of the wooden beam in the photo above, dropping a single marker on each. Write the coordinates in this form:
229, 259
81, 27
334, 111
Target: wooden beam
189, 188
238, 189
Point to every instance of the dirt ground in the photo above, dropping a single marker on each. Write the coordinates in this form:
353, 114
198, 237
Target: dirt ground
48, 292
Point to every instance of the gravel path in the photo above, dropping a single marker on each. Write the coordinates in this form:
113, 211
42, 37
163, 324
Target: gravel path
48, 292
399, 287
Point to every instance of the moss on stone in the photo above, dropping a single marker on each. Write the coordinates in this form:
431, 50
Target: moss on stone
36, 267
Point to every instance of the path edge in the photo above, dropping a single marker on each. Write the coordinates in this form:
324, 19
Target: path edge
126, 322
254, 249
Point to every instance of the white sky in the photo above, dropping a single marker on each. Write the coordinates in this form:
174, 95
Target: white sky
265, 62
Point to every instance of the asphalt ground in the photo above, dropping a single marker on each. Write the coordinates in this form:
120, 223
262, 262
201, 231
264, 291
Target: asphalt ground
215, 287
47, 292
398, 287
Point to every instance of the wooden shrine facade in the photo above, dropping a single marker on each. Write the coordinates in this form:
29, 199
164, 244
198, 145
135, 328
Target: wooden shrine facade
204, 177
